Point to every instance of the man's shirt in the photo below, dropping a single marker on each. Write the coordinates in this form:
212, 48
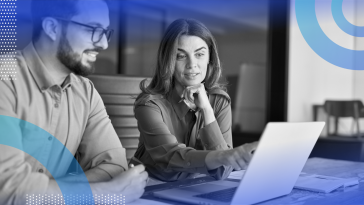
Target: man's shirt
73, 113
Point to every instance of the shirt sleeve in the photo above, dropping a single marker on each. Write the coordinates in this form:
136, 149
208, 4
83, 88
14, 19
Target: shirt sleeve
217, 135
173, 160
16, 177
100, 146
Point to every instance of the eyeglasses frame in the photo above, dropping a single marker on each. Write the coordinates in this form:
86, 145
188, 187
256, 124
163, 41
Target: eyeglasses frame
93, 29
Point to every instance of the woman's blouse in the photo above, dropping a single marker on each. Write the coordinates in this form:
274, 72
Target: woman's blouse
174, 142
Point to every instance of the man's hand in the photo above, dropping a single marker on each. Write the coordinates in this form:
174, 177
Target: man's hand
130, 183
238, 157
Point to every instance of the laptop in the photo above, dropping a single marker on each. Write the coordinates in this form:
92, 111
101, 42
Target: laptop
273, 171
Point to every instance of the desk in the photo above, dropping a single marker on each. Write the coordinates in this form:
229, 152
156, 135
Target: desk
343, 148
321, 166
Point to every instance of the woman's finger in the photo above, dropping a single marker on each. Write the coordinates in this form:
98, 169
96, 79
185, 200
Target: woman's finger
188, 94
196, 94
235, 165
241, 162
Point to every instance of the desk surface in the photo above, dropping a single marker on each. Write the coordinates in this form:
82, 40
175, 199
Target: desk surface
329, 167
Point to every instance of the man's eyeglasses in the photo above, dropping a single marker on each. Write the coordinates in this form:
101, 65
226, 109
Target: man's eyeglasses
97, 32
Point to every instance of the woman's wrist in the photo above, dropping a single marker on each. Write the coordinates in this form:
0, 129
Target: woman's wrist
208, 115
208, 109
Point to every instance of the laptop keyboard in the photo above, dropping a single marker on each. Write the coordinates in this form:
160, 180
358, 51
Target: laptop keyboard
225, 195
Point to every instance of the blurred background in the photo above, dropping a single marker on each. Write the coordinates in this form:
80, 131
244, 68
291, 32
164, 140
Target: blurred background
273, 75
239, 26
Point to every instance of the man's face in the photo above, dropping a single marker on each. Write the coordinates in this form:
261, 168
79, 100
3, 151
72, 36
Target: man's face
76, 50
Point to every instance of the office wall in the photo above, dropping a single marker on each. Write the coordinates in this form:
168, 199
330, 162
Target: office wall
236, 49
238, 43
311, 78
359, 45
249, 112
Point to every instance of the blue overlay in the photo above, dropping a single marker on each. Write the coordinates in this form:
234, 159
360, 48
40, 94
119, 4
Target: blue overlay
28, 137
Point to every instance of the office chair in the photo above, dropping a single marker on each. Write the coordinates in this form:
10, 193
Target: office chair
117, 93
343, 108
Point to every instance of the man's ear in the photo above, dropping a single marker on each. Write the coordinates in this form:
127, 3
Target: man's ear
51, 27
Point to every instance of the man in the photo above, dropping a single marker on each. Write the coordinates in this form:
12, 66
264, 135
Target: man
51, 93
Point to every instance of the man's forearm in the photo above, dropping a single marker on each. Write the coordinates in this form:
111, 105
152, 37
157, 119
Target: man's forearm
53, 187
130, 184
93, 175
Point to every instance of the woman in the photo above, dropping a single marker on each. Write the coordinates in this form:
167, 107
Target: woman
184, 114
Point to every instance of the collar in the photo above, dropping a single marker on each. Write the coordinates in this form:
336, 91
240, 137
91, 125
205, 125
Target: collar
182, 109
40, 73
179, 107
71, 78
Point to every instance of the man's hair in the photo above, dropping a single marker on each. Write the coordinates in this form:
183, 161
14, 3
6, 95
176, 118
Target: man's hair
163, 80
41, 9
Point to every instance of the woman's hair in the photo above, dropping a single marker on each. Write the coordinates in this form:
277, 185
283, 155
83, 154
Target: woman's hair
162, 81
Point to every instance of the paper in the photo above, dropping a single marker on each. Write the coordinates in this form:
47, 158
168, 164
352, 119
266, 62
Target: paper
348, 181
312, 182
145, 202
237, 174
321, 183
152, 181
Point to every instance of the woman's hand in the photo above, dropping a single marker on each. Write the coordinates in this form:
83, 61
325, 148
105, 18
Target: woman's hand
238, 157
197, 95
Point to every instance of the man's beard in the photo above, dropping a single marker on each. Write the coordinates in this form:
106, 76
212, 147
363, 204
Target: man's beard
72, 60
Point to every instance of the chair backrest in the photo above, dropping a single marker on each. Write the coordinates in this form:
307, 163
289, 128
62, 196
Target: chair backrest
343, 108
118, 93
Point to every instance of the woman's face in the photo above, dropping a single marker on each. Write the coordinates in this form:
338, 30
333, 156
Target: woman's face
191, 61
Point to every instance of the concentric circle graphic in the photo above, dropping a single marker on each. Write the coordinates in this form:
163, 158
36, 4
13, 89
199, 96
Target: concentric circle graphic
342, 22
320, 43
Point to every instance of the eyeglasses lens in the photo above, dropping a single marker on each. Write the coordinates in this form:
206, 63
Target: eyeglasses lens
99, 32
